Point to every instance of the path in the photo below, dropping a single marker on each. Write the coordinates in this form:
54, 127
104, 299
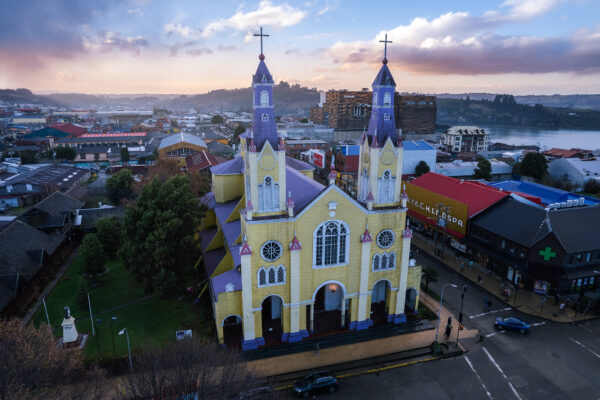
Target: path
50, 287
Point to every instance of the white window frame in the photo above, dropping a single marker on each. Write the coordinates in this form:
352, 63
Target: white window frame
386, 187
387, 99
264, 98
268, 195
267, 271
386, 116
264, 117
338, 244
387, 266
266, 243
393, 238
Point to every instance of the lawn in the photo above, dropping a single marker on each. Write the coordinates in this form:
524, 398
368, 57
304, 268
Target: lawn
150, 320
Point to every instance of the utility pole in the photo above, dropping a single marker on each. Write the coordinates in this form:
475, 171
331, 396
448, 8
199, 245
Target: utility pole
460, 314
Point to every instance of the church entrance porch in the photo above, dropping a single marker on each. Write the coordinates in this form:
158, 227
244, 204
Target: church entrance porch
329, 310
378, 302
232, 332
271, 319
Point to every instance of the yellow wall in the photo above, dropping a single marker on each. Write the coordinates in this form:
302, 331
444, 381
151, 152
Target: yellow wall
165, 150
227, 187
228, 303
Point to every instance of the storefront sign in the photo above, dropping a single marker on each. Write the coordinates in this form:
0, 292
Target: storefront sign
441, 209
541, 287
318, 159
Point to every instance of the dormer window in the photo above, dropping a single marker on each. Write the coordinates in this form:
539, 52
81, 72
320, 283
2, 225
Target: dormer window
387, 99
264, 98
264, 117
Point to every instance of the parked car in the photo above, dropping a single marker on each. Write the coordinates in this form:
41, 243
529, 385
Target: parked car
512, 323
316, 382
258, 393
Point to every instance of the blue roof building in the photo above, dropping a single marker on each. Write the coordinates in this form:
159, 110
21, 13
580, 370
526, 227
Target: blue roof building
547, 195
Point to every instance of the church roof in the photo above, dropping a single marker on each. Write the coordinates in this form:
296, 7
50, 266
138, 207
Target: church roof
298, 165
220, 282
234, 166
303, 189
384, 77
262, 74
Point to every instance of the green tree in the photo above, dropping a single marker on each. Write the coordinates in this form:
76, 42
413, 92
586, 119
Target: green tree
422, 168
28, 157
160, 232
483, 170
65, 153
166, 284
304, 120
92, 255
119, 186
110, 235
217, 119
124, 154
430, 275
236, 134
534, 165
592, 186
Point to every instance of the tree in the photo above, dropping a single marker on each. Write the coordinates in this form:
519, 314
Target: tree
65, 153
422, 168
28, 157
217, 119
534, 165
304, 120
591, 186
109, 231
34, 367
430, 275
119, 186
186, 369
124, 154
165, 283
160, 232
483, 170
92, 255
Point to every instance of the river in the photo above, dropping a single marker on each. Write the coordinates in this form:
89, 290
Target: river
546, 138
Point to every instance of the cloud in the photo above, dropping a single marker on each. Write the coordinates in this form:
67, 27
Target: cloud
226, 48
137, 11
175, 26
199, 52
457, 43
330, 5
110, 40
266, 14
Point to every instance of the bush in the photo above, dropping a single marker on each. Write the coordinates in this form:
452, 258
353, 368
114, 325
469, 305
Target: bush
110, 235
119, 186
592, 186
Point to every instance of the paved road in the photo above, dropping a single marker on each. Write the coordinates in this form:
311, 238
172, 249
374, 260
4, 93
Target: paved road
554, 361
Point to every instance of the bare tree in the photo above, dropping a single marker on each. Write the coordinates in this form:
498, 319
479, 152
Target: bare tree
186, 367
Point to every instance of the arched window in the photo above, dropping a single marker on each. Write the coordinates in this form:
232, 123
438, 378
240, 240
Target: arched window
386, 187
374, 98
387, 99
264, 98
268, 195
331, 241
281, 274
392, 260
264, 117
384, 261
262, 277
272, 276
376, 264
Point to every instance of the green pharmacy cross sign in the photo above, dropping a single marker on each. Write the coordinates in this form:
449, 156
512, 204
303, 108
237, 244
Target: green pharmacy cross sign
547, 253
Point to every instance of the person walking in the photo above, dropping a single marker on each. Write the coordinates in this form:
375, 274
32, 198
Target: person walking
562, 307
479, 278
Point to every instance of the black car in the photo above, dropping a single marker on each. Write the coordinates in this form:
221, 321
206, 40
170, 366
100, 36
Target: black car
317, 382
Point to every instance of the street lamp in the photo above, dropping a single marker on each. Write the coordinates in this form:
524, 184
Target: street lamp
435, 343
126, 332
460, 314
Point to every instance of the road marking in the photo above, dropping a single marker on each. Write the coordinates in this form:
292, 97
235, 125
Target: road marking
586, 328
582, 345
479, 377
494, 334
502, 372
489, 312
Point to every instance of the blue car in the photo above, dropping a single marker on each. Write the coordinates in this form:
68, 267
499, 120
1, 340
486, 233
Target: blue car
511, 323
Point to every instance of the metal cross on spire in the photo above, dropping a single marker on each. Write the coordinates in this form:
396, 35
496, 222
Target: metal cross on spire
261, 34
385, 42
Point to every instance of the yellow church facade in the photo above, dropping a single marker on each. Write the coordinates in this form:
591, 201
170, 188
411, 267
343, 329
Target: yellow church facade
289, 258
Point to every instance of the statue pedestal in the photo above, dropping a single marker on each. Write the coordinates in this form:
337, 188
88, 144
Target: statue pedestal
69, 330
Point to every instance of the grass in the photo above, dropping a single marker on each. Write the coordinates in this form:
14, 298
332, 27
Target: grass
16, 211
150, 321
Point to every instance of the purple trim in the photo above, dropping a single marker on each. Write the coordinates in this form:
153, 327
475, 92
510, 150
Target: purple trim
352, 325
390, 317
285, 336
361, 325
399, 318
297, 336
253, 344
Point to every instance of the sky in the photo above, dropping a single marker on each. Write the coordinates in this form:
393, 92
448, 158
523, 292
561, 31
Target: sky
175, 46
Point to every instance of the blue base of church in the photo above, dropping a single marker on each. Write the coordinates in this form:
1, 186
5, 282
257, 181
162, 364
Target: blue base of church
399, 318
252, 344
360, 325
297, 336
352, 325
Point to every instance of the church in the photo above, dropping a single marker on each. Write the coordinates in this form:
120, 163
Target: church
288, 258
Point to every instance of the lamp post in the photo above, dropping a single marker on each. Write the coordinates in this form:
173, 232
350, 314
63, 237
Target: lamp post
112, 334
435, 343
460, 316
126, 332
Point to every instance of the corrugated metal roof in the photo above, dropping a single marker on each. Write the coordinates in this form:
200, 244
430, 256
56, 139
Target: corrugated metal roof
180, 138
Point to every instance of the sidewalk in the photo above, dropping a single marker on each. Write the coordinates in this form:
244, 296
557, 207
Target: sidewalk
523, 300
357, 351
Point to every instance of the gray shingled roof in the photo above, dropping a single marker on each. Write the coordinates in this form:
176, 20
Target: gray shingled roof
577, 229
58, 204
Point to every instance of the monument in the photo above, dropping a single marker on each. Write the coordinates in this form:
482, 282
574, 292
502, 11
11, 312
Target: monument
71, 338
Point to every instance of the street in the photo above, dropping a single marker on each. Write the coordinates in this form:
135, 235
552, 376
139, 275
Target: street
552, 361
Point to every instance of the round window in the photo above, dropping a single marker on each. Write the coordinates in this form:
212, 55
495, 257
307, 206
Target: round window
385, 238
271, 250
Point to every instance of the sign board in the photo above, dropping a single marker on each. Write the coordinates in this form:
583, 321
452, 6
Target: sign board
318, 160
180, 335
541, 287
433, 205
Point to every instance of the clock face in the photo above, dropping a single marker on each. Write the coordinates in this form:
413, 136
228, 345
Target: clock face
267, 162
388, 157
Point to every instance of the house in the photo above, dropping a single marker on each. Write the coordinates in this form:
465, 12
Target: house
541, 250
202, 161
577, 171
416, 151
466, 169
180, 145
71, 129
54, 213
555, 153
221, 149
544, 195
465, 138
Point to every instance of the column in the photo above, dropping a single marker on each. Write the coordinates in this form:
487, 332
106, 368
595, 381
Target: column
295, 333
343, 322
401, 296
312, 317
250, 341
365, 258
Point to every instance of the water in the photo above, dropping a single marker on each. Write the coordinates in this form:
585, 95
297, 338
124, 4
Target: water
546, 138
